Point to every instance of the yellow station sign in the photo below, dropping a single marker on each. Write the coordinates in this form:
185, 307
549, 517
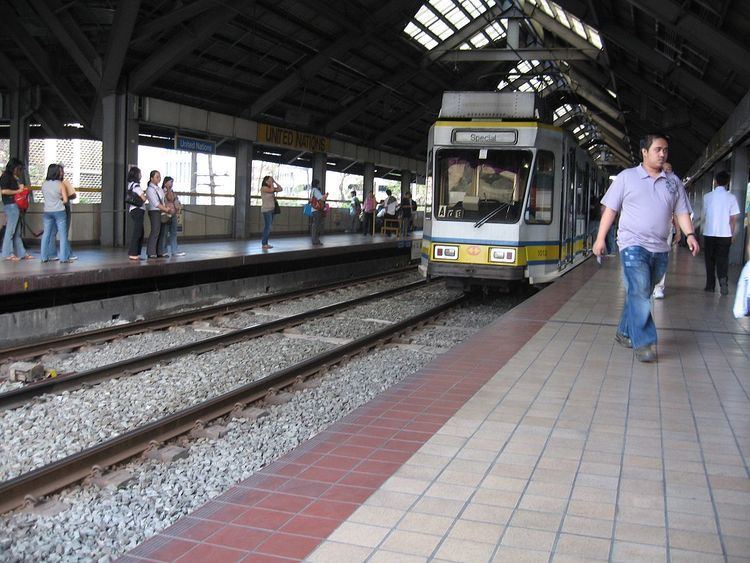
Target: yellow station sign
272, 135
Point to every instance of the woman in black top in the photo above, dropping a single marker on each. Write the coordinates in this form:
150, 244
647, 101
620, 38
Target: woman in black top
13, 248
136, 214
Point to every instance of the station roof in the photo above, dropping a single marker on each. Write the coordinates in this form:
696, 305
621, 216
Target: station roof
372, 72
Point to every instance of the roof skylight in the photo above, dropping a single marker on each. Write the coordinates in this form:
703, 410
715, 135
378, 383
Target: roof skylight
570, 21
437, 20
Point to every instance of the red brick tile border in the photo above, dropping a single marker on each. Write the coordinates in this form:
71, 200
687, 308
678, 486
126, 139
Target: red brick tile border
285, 511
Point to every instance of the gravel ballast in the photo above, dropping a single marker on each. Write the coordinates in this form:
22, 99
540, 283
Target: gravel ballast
100, 525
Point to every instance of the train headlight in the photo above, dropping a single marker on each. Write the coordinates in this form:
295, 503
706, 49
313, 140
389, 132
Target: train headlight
445, 252
503, 255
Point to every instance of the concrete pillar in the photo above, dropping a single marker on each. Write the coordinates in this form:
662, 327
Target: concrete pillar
119, 153
738, 186
368, 179
405, 181
319, 169
243, 175
19, 126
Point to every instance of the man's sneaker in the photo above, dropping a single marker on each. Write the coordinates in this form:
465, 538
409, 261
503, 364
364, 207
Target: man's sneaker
658, 293
645, 354
179, 254
623, 340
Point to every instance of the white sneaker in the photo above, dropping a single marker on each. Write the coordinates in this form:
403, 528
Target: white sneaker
179, 254
658, 293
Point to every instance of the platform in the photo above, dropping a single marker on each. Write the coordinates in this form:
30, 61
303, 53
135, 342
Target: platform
108, 265
539, 439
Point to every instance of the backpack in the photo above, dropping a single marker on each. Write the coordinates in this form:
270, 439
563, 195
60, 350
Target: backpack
22, 199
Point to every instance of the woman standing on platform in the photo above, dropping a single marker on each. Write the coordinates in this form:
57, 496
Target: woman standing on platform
156, 209
13, 248
174, 206
268, 189
55, 219
136, 213
71, 193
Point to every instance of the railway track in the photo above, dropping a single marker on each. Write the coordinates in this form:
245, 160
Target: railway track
22, 395
60, 474
39, 347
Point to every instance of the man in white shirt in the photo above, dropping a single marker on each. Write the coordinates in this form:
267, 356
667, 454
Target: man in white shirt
720, 210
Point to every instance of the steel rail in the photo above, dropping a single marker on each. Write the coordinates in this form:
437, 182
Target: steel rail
137, 364
57, 475
97, 336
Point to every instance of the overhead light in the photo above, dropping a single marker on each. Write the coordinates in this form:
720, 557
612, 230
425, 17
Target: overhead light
611, 93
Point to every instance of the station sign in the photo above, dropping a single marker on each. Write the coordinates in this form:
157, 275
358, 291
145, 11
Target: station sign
194, 145
485, 137
280, 136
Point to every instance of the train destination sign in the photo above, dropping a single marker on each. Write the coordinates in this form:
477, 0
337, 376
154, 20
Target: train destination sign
272, 135
194, 145
484, 137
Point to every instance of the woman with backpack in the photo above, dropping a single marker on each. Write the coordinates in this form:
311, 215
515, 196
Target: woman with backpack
12, 186
136, 200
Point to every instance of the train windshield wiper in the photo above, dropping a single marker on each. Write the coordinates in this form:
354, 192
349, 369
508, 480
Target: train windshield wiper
491, 214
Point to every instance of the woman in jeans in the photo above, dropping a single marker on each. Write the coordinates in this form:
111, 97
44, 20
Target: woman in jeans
13, 248
268, 189
136, 214
173, 205
156, 206
55, 219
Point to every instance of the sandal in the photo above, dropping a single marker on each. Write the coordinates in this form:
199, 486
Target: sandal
29, 257
12, 258
134, 257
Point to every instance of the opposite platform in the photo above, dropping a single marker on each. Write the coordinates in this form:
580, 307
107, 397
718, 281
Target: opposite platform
539, 439
107, 265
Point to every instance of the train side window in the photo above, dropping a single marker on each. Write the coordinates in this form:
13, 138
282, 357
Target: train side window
539, 209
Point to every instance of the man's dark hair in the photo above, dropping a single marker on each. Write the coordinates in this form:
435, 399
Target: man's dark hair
315, 183
722, 178
648, 140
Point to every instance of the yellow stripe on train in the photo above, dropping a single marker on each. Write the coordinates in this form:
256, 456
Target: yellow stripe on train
491, 255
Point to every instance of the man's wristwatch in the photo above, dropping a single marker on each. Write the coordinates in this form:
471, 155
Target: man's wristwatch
690, 234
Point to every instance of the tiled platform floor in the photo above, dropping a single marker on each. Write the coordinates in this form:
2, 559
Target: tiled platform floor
569, 450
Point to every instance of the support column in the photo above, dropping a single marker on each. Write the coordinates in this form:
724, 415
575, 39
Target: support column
319, 169
243, 175
19, 126
119, 153
368, 180
738, 186
405, 181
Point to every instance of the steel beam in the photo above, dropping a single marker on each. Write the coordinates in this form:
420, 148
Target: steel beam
320, 60
406, 74
695, 30
487, 55
122, 29
38, 58
684, 80
172, 18
72, 40
591, 92
200, 29
568, 35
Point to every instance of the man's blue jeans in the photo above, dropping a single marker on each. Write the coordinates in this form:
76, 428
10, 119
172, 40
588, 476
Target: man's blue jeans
641, 270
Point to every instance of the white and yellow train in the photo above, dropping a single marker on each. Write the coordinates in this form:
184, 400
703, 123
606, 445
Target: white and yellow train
508, 196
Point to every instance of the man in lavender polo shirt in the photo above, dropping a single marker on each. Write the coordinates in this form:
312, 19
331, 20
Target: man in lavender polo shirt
646, 198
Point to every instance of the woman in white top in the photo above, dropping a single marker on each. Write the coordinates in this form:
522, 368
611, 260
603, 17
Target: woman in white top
156, 207
268, 189
55, 197
136, 213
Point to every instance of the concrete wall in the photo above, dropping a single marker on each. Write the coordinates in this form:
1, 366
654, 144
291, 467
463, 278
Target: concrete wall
200, 221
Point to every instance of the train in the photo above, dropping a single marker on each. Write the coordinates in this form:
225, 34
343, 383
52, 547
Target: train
508, 195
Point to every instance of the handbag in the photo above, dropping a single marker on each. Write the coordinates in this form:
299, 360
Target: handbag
132, 197
307, 210
276, 207
22, 199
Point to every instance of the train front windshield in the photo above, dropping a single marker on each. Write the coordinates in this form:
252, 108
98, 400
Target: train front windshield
480, 185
